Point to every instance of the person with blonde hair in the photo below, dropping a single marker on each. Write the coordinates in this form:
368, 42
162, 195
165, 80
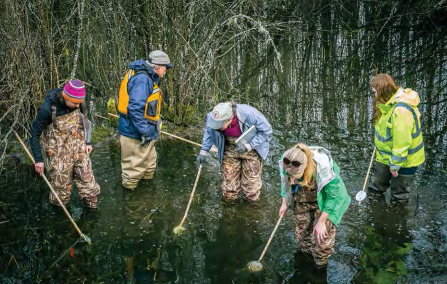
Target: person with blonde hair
398, 137
311, 183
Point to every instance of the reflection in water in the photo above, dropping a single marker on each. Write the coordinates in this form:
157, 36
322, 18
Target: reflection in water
387, 243
306, 271
237, 242
130, 247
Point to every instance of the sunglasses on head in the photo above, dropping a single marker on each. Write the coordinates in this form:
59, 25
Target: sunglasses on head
288, 162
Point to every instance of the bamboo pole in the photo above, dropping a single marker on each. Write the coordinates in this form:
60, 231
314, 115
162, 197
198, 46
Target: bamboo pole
180, 228
169, 134
362, 194
191, 197
256, 265
270, 239
369, 169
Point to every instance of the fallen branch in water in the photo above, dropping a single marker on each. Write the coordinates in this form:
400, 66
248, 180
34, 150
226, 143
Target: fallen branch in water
10, 243
10, 260
65, 252
3, 222
149, 216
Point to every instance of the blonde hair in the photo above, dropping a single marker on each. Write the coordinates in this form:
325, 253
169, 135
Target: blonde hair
386, 88
292, 155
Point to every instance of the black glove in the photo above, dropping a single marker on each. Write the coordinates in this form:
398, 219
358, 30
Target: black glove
200, 160
241, 149
145, 141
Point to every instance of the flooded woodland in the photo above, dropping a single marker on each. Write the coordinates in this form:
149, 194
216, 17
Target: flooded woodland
306, 65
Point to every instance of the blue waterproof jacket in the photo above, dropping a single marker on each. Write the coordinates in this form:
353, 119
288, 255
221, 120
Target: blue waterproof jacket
140, 86
247, 117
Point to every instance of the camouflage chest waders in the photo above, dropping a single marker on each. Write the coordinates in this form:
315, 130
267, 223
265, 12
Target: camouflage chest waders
241, 171
64, 146
307, 213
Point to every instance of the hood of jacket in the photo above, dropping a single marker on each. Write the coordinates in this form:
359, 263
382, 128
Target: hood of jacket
54, 97
407, 96
140, 64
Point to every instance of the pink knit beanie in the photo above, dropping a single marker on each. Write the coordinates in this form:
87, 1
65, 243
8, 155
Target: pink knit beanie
74, 91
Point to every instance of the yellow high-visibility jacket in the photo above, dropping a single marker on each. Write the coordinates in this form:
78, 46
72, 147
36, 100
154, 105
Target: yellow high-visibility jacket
398, 134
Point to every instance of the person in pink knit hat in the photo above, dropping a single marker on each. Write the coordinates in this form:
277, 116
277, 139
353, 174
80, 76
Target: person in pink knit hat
60, 142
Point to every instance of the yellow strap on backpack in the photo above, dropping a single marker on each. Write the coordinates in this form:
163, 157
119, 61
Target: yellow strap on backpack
123, 97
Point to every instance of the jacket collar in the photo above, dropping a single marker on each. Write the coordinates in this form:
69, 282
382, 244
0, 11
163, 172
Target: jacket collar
384, 108
241, 118
391, 100
151, 72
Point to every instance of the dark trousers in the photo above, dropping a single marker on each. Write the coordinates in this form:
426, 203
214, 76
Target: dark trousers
383, 179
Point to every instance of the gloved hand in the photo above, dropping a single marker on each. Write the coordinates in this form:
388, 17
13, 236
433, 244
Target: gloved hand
241, 149
200, 160
145, 141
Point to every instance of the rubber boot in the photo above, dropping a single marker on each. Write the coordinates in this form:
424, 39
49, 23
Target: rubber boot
400, 188
148, 175
129, 183
91, 202
381, 178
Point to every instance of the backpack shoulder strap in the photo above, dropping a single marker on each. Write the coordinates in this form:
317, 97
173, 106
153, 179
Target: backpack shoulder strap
85, 118
53, 114
141, 71
54, 95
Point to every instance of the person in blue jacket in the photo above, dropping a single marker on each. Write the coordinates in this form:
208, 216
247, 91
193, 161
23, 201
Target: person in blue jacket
139, 107
241, 163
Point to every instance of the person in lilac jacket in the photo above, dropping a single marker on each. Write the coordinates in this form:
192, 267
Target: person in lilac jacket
242, 165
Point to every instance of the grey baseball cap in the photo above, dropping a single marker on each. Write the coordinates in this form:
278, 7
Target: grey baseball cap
220, 114
160, 58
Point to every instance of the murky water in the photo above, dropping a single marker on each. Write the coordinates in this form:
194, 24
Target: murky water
133, 240
322, 98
